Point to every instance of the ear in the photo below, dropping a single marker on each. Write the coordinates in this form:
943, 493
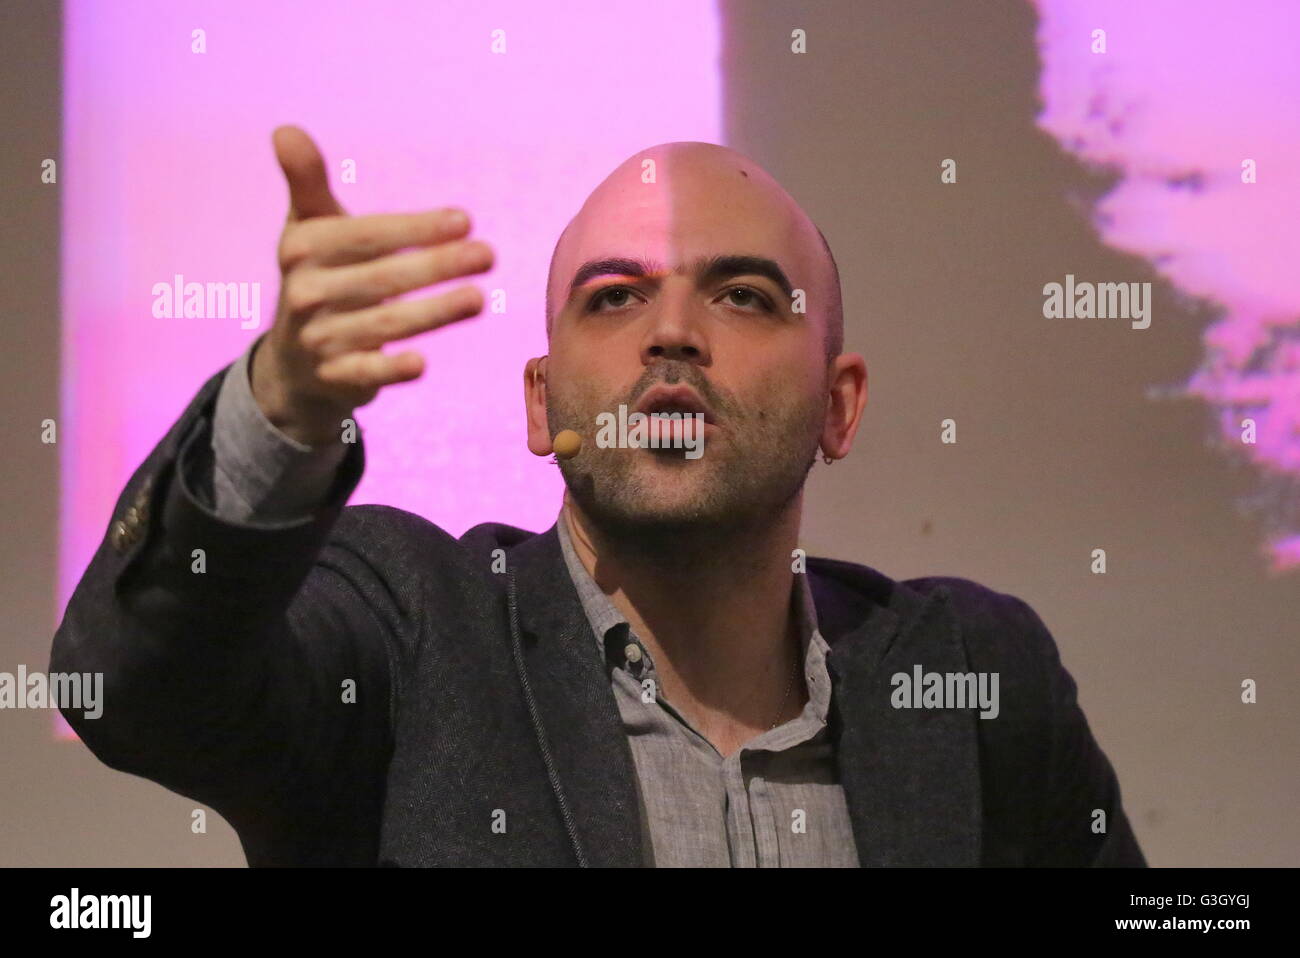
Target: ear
539, 433
844, 404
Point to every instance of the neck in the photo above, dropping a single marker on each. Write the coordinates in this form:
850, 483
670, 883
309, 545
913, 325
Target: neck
715, 611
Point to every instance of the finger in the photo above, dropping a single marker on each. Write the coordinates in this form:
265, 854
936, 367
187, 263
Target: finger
346, 288
304, 169
370, 370
340, 241
368, 329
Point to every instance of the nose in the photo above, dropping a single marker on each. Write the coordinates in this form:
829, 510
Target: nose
674, 333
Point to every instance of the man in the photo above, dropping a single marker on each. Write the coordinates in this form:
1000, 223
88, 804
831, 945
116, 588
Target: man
660, 678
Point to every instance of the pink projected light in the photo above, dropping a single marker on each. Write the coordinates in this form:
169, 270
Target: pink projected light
511, 110
1188, 100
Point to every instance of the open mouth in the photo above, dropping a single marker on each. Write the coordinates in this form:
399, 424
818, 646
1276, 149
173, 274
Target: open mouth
681, 399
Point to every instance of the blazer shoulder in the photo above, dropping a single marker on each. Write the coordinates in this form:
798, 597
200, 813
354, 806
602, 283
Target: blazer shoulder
396, 544
403, 544
387, 525
991, 622
1001, 634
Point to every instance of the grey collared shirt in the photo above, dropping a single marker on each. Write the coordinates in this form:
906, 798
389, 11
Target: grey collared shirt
775, 802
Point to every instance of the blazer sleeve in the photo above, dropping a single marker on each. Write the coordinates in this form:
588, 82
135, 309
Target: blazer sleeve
1078, 781
249, 667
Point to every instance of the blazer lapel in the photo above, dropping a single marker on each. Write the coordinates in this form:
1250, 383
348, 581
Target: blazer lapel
574, 713
910, 776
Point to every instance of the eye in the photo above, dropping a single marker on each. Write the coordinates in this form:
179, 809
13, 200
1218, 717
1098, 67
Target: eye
602, 295
615, 297
750, 296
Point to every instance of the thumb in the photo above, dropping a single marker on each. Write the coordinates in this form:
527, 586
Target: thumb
304, 169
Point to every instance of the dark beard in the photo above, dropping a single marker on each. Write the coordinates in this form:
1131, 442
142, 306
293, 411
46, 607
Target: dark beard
750, 477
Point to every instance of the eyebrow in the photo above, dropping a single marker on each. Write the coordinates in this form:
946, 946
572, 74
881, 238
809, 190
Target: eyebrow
706, 269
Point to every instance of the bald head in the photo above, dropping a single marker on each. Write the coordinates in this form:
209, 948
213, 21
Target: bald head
676, 196
691, 277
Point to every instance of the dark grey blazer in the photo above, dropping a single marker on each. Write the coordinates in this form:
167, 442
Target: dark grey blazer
480, 693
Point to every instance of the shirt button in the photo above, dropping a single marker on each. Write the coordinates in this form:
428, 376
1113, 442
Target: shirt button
633, 653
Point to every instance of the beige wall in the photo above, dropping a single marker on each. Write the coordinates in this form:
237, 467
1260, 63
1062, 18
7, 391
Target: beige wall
1059, 451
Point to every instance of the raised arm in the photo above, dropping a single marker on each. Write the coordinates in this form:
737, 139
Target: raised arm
248, 644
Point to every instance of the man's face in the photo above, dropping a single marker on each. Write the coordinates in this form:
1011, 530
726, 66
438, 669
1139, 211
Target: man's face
732, 336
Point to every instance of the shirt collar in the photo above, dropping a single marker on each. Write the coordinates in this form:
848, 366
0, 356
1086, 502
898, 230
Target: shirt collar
601, 612
604, 615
